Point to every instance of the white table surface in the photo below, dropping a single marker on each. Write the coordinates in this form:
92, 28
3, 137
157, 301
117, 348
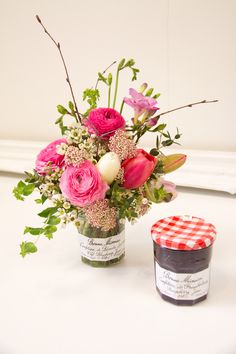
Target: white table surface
51, 303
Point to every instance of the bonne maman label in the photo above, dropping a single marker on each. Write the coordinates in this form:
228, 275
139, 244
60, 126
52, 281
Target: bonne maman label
182, 286
102, 249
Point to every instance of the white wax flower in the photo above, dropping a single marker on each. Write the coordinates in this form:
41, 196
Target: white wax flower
109, 166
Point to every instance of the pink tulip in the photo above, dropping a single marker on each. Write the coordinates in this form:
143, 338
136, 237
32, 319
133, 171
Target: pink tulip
138, 169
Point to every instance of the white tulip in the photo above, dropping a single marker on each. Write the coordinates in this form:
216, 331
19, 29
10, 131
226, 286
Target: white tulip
109, 166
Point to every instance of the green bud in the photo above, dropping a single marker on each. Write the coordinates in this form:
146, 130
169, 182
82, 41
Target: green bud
143, 87
172, 162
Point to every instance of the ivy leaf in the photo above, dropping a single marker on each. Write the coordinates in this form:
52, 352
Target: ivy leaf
48, 212
33, 230
27, 248
49, 236
20, 186
50, 229
53, 220
28, 189
17, 194
38, 201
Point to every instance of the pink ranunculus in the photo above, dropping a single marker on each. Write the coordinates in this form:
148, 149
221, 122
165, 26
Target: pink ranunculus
82, 185
138, 169
104, 122
141, 103
49, 155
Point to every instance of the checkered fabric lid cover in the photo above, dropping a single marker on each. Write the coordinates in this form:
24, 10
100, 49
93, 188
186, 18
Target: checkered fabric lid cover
183, 233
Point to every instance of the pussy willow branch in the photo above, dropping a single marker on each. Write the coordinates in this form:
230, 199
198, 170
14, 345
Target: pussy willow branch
171, 110
77, 114
187, 105
104, 71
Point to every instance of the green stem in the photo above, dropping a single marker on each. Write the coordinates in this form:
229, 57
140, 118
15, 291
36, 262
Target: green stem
116, 87
109, 96
122, 106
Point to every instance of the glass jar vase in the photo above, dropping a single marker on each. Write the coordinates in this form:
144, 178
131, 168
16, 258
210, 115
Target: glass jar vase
101, 248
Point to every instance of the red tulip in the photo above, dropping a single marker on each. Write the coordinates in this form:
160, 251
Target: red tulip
138, 169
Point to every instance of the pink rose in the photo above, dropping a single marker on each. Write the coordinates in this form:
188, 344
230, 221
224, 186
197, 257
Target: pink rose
82, 185
104, 122
49, 154
138, 169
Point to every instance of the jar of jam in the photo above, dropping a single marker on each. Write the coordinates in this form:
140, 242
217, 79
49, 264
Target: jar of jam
182, 254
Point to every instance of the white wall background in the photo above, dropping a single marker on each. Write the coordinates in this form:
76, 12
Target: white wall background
186, 49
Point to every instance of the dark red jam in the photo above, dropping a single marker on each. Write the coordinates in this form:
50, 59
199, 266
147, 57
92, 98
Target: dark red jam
182, 277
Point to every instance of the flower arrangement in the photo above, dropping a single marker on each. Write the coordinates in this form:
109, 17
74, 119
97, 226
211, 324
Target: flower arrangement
96, 176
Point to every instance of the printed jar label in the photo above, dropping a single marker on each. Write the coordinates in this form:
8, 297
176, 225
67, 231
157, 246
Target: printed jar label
102, 249
182, 286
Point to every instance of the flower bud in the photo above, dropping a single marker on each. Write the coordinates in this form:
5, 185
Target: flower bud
143, 87
109, 166
172, 162
160, 190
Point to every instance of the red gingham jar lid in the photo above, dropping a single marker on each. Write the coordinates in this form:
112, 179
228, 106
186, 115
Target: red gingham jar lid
184, 233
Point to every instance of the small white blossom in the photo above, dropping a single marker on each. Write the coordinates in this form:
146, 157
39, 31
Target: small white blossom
61, 149
66, 205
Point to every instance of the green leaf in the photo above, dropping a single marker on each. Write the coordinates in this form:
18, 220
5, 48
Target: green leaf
47, 212
38, 201
33, 230
17, 194
50, 229
71, 106
27, 248
28, 189
62, 109
59, 120
53, 220
154, 152
167, 142
44, 198
49, 236
20, 186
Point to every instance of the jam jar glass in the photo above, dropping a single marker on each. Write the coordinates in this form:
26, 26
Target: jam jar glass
182, 254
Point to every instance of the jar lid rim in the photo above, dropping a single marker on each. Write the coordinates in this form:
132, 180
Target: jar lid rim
183, 232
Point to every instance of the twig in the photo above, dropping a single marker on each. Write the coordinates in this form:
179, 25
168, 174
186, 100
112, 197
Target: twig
78, 116
187, 105
104, 71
